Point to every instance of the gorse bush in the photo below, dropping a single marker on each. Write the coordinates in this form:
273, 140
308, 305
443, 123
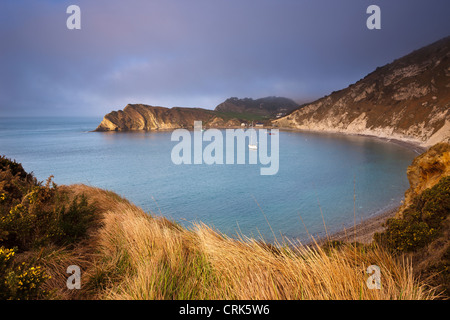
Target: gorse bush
434, 203
34, 215
42, 216
20, 281
14, 182
14, 167
72, 224
421, 222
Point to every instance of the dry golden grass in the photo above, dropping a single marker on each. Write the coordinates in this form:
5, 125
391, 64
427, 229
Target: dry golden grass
135, 255
148, 257
84, 254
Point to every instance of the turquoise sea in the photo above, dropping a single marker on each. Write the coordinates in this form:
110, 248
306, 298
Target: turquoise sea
319, 174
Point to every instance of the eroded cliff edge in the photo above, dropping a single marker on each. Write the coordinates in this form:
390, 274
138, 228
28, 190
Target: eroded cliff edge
408, 100
425, 172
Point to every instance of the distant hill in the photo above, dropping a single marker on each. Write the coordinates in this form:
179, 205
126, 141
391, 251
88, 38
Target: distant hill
408, 99
270, 107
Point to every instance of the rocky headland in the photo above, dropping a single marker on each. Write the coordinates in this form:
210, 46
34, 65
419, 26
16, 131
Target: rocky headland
231, 113
144, 117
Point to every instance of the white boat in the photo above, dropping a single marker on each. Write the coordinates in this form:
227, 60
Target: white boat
252, 146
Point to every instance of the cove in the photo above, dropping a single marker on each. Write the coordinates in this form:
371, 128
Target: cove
318, 174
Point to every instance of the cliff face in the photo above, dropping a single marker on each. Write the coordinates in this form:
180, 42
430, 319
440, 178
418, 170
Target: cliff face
408, 99
144, 117
426, 171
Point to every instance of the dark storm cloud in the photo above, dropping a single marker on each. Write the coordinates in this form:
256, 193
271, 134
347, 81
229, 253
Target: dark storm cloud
197, 52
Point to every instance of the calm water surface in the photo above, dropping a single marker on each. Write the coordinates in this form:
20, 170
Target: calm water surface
316, 172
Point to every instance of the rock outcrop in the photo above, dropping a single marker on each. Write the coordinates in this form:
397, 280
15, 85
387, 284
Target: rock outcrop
143, 117
425, 172
408, 99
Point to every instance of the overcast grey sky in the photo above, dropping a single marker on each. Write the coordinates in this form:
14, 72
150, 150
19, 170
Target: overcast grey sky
197, 53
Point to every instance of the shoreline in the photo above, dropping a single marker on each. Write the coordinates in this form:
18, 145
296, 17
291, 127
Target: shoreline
364, 230
408, 144
417, 148
361, 232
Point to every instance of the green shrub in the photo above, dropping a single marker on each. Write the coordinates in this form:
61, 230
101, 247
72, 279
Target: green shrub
34, 214
15, 167
74, 222
434, 203
421, 222
14, 183
43, 218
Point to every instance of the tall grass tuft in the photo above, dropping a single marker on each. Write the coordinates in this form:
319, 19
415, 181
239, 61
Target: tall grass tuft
149, 257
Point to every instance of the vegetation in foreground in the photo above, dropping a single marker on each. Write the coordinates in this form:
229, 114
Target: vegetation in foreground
125, 253
152, 258
422, 233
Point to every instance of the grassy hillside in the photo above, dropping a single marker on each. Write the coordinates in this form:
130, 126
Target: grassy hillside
407, 100
126, 253
241, 116
269, 107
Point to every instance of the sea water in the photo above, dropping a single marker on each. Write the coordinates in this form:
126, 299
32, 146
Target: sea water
323, 180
